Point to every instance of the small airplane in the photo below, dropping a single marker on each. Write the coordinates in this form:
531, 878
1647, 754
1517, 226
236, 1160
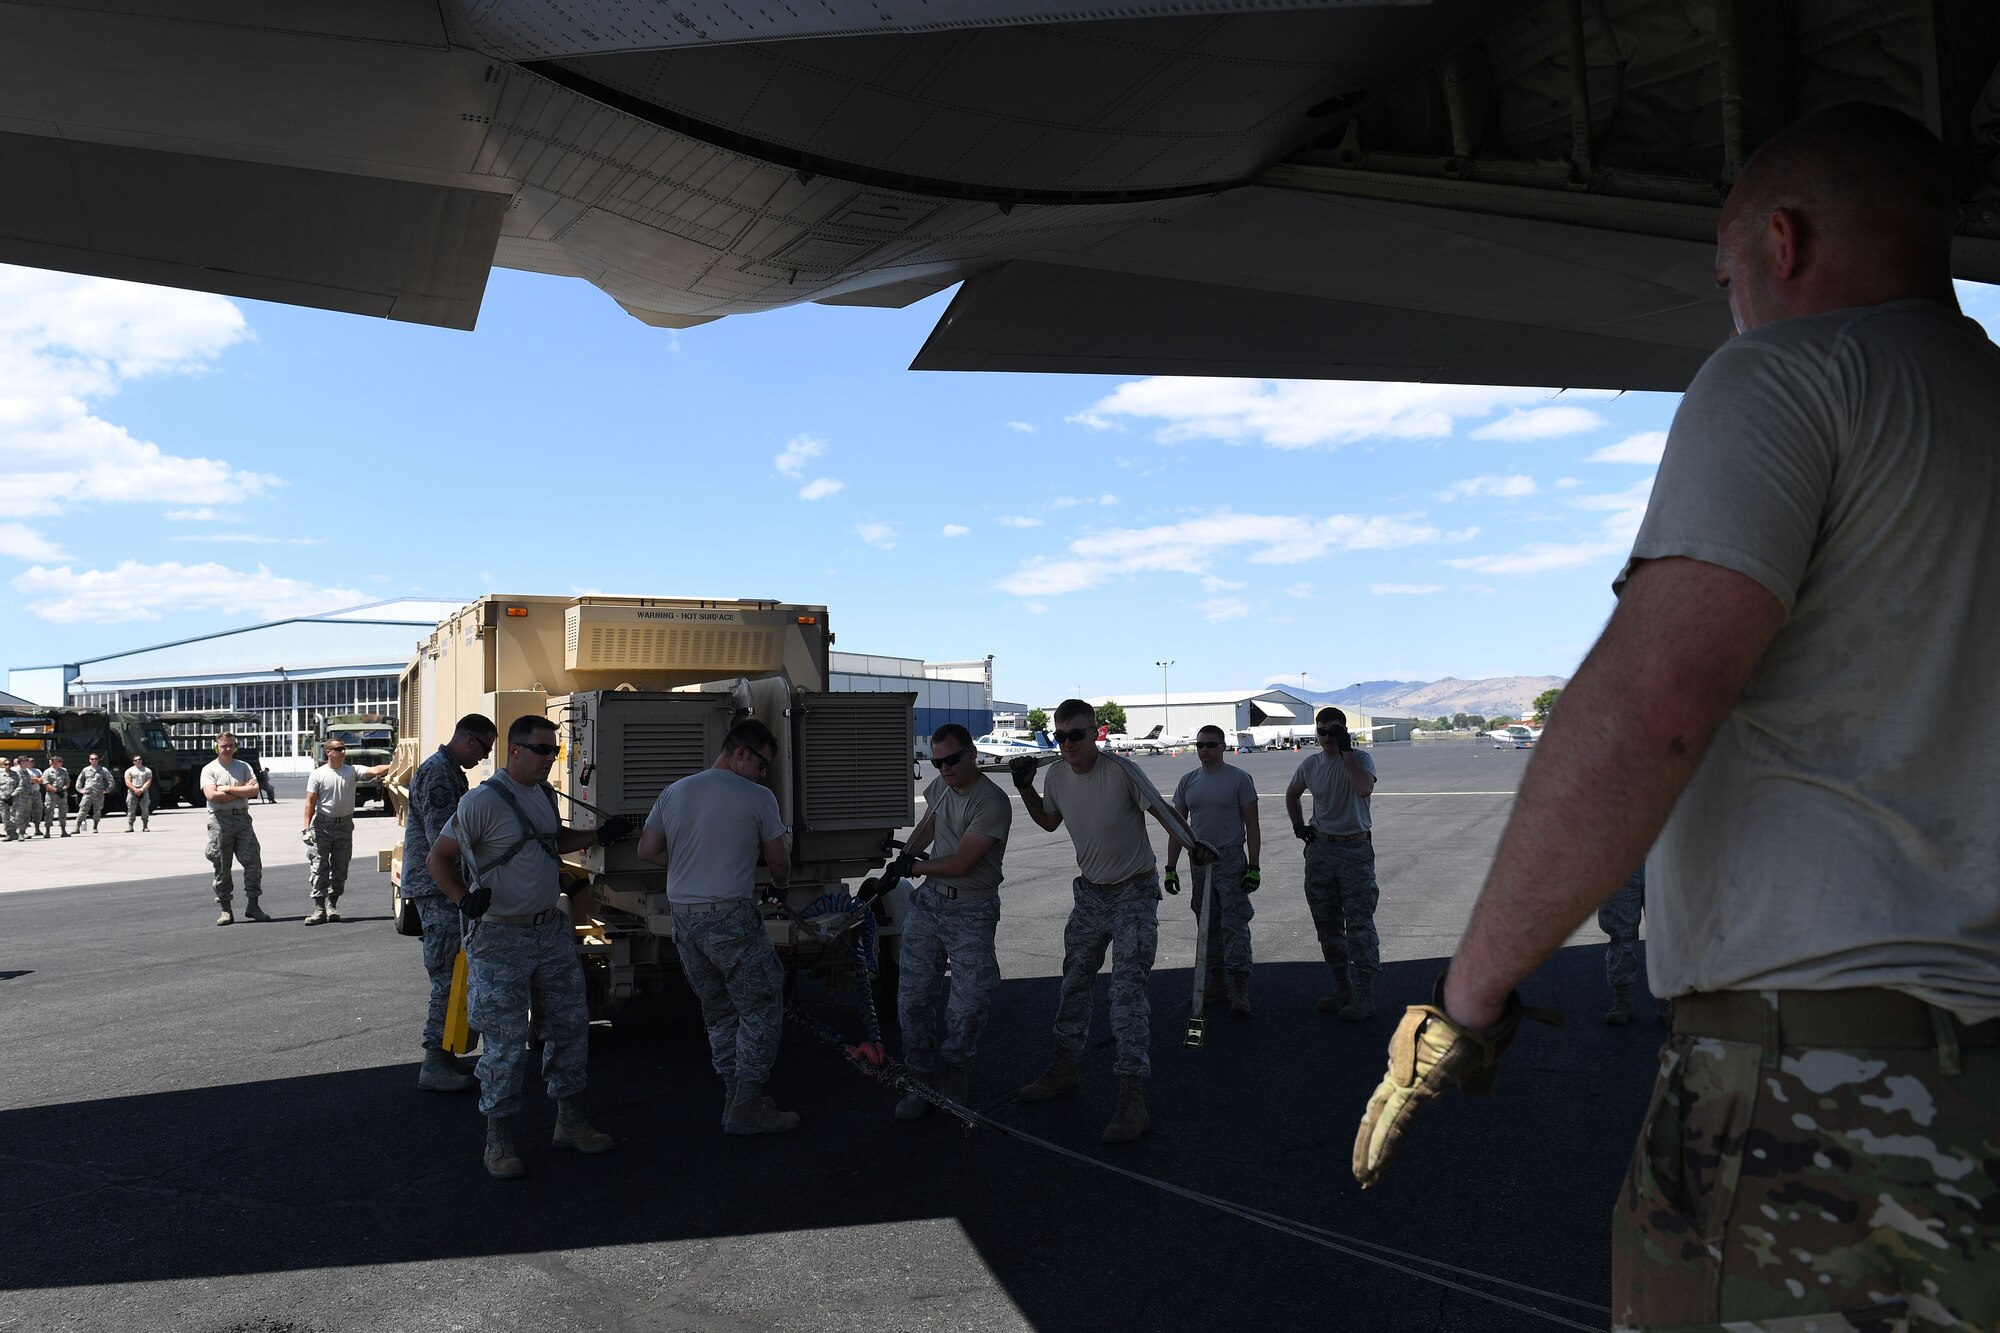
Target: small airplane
1120, 743
997, 747
1515, 737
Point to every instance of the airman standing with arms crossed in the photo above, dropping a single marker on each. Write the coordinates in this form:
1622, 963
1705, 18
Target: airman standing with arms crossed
436, 788
1220, 802
139, 795
329, 828
12, 786
1104, 798
37, 806
1340, 862
93, 783
520, 949
229, 786
1822, 1148
709, 831
55, 796
953, 918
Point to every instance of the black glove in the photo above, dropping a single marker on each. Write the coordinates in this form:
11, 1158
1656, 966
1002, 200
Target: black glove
1023, 770
1202, 854
474, 904
615, 829
1343, 740
899, 868
1306, 832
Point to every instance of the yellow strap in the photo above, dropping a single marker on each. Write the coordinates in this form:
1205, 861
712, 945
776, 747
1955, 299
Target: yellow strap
457, 1028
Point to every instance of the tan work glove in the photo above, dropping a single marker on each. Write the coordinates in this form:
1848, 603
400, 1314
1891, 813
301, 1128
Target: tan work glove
1428, 1054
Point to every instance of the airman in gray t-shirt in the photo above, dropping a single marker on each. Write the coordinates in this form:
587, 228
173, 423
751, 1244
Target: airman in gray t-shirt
983, 808
485, 825
715, 823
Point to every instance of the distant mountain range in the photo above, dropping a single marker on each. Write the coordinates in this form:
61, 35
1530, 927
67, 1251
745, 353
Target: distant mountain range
1490, 697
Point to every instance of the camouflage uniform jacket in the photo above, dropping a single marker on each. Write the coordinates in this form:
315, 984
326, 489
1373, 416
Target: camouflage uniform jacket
94, 781
436, 788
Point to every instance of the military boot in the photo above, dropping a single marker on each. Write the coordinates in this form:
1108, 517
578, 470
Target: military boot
728, 1098
912, 1105
1217, 990
1340, 999
439, 1074
1057, 1079
227, 916
1239, 996
1131, 1120
333, 909
502, 1162
754, 1113
318, 917
573, 1131
252, 911
1620, 1012
1363, 1004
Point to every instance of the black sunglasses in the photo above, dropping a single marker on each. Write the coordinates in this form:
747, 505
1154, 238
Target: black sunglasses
946, 760
1208, 745
544, 749
1071, 737
1335, 732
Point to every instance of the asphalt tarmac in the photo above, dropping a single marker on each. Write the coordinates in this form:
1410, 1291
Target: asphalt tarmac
218, 1130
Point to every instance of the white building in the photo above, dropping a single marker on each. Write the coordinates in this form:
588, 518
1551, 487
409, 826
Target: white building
280, 676
1182, 714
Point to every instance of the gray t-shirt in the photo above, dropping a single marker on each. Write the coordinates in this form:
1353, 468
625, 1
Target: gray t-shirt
138, 779
235, 773
716, 824
1105, 813
983, 808
335, 789
1337, 809
485, 825
1214, 803
1840, 830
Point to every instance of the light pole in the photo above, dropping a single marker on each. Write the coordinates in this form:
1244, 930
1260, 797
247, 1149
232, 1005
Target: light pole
1166, 709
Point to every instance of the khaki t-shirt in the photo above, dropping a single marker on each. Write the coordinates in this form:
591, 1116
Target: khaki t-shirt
232, 774
1840, 831
335, 788
1105, 813
984, 809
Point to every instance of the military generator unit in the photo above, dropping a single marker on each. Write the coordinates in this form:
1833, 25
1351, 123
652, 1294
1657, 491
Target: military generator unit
642, 691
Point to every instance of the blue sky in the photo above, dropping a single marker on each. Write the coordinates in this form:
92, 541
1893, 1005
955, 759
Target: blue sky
178, 463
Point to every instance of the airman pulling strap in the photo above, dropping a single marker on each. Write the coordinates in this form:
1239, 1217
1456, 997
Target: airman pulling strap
1862, 1018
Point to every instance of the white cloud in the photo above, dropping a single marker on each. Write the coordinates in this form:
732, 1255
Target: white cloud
1461, 534
1623, 511
1210, 583
1066, 502
133, 591
248, 539
1302, 591
1567, 483
1508, 487
68, 342
201, 515
1301, 414
1107, 500
24, 543
1019, 521
954, 530
879, 535
1404, 589
1541, 423
1189, 547
1225, 608
1035, 608
1025, 426
1645, 447
798, 451
821, 487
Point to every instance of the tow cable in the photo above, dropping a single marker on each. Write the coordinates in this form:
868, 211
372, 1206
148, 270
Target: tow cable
872, 1061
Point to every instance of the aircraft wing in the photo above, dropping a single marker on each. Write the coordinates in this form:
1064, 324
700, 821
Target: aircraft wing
1473, 191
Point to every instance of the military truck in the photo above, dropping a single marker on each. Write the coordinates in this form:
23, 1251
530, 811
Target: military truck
78, 733
642, 691
370, 739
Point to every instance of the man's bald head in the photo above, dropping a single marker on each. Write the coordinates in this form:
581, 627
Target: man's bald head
1853, 205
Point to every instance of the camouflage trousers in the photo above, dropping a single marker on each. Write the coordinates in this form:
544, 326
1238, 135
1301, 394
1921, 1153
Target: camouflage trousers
329, 847
53, 808
1619, 919
1791, 1189
1128, 922
510, 971
442, 924
1229, 926
139, 808
17, 817
90, 807
735, 973
942, 931
231, 834
1341, 892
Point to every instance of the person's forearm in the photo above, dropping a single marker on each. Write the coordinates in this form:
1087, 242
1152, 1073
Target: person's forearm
1294, 809
444, 874
1031, 801
312, 804
1358, 776
1174, 846
1254, 838
576, 839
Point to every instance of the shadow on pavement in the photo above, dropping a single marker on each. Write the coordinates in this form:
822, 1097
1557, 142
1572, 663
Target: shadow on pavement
358, 1167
